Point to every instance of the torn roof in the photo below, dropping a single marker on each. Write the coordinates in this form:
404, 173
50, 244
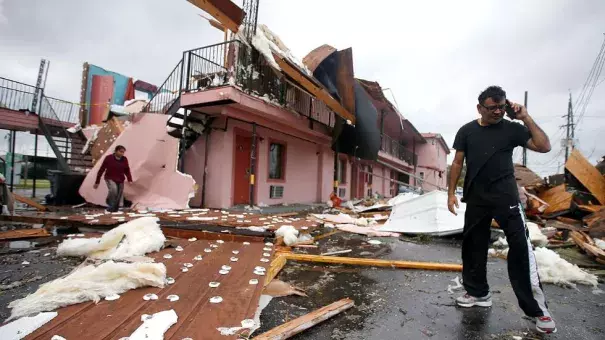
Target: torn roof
375, 91
439, 137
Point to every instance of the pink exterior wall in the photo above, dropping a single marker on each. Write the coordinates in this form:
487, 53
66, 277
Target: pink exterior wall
308, 169
347, 184
432, 159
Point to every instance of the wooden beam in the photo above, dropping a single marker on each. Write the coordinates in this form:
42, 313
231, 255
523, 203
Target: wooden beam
345, 79
374, 262
225, 11
313, 88
306, 321
276, 266
587, 174
29, 202
23, 233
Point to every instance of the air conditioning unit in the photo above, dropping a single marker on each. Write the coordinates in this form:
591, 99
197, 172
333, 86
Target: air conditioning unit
276, 191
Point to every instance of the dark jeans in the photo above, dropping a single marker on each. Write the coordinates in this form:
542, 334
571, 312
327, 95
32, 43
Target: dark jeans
522, 266
114, 194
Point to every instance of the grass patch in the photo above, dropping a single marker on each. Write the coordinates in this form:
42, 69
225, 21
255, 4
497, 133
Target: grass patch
29, 184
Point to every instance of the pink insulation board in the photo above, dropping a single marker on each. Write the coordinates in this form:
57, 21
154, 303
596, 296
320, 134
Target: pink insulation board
152, 155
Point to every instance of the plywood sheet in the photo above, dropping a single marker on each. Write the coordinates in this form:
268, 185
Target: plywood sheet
587, 174
345, 79
197, 317
558, 199
225, 11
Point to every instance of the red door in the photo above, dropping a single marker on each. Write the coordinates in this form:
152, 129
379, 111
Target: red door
241, 181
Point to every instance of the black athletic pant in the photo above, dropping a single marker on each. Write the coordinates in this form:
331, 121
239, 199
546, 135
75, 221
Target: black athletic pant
522, 267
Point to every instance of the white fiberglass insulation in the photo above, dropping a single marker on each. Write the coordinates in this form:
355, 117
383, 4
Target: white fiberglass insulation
266, 42
134, 238
19, 329
553, 269
90, 283
535, 235
425, 214
289, 233
154, 326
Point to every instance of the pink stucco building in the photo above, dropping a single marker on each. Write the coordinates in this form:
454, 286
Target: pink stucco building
432, 162
255, 134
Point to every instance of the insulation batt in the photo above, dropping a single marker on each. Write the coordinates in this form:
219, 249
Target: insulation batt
90, 283
134, 238
535, 235
289, 233
553, 269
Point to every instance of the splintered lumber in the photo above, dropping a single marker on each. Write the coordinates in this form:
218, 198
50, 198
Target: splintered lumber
587, 244
306, 321
226, 12
587, 174
563, 225
558, 199
23, 233
591, 208
594, 218
328, 234
374, 262
29, 202
276, 266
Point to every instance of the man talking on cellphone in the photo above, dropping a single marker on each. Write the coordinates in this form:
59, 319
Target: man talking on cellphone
490, 191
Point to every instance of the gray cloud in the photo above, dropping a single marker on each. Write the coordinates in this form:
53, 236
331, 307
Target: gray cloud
436, 56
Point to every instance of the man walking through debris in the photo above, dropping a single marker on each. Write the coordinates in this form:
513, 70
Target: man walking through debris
490, 191
116, 168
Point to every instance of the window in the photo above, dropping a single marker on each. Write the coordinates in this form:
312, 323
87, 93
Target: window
370, 175
342, 171
277, 161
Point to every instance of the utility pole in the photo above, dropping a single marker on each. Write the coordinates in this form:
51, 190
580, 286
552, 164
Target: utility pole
569, 140
524, 147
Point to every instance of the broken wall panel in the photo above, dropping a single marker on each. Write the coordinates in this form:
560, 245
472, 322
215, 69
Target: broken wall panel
105, 138
152, 155
558, 199
587, 174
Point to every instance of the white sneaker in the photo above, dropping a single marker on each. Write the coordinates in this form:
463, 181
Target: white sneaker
545, 324
471, 301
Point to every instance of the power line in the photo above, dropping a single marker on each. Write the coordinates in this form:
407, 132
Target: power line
591, 83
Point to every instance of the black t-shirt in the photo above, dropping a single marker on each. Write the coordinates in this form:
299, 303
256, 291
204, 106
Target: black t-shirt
488, 150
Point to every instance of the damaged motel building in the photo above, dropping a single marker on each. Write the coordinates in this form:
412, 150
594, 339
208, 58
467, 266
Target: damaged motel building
255, 126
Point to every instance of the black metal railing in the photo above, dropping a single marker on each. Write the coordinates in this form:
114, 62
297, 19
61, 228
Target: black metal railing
392, 147
15, 95
63, 110
235, 63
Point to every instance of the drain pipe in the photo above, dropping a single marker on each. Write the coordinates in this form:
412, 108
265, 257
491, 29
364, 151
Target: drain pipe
206, 147
252, 163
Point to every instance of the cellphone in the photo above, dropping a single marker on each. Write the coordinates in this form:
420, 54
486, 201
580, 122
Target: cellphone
510, 112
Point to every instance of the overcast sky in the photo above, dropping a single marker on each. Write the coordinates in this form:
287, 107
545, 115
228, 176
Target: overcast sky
436, 56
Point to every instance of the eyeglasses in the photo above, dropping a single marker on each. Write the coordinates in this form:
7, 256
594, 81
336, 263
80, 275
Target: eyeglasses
495, 107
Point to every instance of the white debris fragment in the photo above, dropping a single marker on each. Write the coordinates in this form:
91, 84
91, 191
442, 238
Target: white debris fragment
148, 297
264, 259
226, 267
235, 252
207, 250
154, 327
223, 272
197, 258
374, 242
167, 256
25, 263
288, 232
600, 243
246, 243
112, 297
214, 284
170, 280
193, 239
179, 248
216, 299
57, 337
458, 285
172, 297
234, 259
24, 326
535, 235
188, 265
253, 282
184, 269
266, 254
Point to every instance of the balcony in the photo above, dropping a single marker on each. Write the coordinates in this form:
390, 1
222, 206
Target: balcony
234, 63
392, 147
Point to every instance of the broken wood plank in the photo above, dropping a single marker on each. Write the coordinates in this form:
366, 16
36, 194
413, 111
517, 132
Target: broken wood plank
587, 174
306, 321
594, 218
345, 78
328, 234
29, 202
226, 12
570, 221
591, 208
558, 199
276, 266
315, 89
374, 262
563, 225
23, 233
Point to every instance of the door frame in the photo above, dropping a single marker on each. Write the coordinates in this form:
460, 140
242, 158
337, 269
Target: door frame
244, 133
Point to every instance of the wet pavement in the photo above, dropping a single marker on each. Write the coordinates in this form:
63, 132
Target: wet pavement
413, 304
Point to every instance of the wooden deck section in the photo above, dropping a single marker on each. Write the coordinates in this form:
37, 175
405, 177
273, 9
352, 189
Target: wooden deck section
197, 317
